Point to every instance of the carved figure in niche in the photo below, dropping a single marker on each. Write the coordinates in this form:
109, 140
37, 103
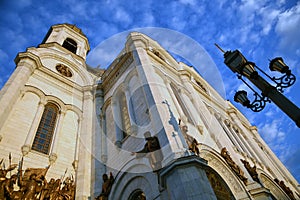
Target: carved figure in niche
251, 170
286, 189
106, 186
64, 70
233, 165
191, 141
152, 150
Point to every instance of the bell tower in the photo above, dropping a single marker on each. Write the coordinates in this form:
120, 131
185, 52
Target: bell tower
70, 37
48, 107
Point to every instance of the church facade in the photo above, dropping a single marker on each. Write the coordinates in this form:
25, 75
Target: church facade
153, 123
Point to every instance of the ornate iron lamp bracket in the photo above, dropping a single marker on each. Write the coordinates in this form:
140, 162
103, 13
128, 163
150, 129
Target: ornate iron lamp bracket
259, 102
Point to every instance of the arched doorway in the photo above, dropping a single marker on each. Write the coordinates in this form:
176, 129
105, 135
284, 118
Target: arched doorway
137, 195
219, 186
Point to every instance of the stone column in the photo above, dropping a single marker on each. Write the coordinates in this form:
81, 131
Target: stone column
273, 159
83, 187
118, 123
56, 137
133, 126
198, 117
79, 121
103, 139
33, 128
179, 110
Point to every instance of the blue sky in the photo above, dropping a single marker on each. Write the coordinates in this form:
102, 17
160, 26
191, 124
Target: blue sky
261, 30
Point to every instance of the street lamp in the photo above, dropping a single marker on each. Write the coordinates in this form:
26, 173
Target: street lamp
238, 64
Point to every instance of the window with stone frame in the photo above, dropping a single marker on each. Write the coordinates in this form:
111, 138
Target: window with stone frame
182, 105
44, 134
70, 44
124, 116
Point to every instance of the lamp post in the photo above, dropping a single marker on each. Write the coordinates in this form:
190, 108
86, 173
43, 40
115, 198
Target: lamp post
239, 64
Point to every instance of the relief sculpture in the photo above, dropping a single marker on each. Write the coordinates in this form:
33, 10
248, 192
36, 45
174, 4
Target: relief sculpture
233, 165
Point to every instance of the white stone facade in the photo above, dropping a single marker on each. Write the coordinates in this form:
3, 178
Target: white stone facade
104, 114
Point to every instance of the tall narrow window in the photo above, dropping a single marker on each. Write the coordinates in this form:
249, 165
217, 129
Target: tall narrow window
43, 137
70, 44
124, 116
182, 105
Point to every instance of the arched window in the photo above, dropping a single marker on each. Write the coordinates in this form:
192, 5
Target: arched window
70, 44
124, 115
182, 105
43, 136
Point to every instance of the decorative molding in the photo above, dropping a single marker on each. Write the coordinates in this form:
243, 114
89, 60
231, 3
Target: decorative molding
216, 162
52, 158
64, 70
224, 172
274, 189
115, 70
75, 165
25, 149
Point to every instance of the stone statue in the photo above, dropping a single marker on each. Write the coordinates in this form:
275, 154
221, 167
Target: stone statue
106, 186
191, 141
151, 150
286, 189
233, 165
251, 170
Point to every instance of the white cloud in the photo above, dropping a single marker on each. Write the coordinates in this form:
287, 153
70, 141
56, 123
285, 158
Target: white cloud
272, 132
3, 55
288, 30
148, 19
269, 16
122, 16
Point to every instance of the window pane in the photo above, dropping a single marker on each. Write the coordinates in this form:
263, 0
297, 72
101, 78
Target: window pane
45, 130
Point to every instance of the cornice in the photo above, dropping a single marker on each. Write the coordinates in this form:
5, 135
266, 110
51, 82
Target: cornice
115, 70
66, 51
31, 56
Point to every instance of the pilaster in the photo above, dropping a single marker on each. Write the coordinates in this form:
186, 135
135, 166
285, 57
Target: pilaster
26, 64
83, 187
165, 128
31, 134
